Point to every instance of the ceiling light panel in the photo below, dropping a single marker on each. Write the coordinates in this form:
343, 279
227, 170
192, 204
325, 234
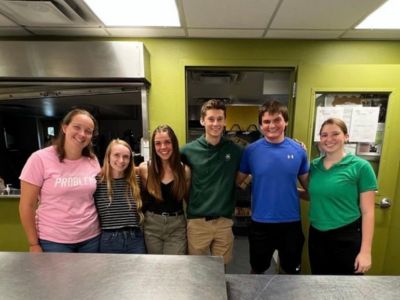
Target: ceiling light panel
146, 32
136, 12
385, 17
225, 33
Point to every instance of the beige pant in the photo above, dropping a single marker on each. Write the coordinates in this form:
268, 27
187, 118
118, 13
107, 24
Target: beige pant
165, 235
213, 237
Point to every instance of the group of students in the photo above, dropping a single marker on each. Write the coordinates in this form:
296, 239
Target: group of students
69, 204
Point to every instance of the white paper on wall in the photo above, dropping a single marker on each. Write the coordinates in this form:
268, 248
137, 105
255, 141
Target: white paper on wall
364, 124
324, 113
361, 121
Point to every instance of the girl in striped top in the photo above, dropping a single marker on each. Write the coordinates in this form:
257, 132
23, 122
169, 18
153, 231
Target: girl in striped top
118, 202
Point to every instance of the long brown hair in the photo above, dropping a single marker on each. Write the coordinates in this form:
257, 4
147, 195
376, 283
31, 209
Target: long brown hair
129, 176
59, 141
156, 170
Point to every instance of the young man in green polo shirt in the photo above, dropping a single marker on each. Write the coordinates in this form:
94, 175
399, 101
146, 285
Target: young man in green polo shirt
214, 161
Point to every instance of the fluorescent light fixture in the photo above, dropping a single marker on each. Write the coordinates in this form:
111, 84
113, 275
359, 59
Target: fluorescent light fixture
385, 17
138, 13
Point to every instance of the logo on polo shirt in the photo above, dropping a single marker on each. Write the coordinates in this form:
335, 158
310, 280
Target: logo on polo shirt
290, 156
227, 157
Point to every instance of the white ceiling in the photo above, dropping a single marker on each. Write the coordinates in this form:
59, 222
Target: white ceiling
260, 19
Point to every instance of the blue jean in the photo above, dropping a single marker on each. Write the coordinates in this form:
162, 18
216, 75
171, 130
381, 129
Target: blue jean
124, 240
88, 246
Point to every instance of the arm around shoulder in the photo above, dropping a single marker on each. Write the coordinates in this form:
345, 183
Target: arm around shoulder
243, 180
188, 176
143, 172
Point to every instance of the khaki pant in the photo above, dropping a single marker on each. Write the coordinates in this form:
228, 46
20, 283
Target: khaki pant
165, 235
213, 237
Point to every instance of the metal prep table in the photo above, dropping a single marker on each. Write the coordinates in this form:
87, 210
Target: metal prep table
72, 276
126, 276
313, 287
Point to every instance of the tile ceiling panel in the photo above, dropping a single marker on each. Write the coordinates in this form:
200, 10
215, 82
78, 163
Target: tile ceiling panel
226, 33
322, 14
271, 19
303, 34
146, 32
68, 31
372, 34
222, 14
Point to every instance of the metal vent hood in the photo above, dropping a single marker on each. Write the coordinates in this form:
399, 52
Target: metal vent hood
74, 61
238, 87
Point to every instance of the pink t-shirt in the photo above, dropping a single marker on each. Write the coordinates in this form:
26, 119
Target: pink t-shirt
66, 212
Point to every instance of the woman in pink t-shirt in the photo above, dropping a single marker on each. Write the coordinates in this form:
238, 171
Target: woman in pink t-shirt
57, 209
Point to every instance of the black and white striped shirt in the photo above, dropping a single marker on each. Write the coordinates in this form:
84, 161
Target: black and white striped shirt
116, 214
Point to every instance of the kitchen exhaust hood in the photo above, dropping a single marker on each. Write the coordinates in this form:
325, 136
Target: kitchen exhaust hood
238, 87
74, 61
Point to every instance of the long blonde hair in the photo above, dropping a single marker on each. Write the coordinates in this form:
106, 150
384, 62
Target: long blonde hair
129, 176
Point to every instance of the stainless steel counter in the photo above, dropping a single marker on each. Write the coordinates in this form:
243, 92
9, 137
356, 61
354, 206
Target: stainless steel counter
10, 196
126, 276
312, 287
110, 276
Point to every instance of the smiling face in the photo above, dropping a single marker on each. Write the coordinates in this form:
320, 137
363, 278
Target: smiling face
78, 132
214, 123
273, 127
163, 145
332, 139
120, 157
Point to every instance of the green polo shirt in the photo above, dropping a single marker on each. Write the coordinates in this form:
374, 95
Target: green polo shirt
214, 169
335, 193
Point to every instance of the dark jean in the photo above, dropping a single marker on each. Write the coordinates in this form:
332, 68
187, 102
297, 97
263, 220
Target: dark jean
88, 246
124, 240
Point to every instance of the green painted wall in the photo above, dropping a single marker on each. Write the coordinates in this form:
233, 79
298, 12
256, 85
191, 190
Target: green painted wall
12, 236
170, 56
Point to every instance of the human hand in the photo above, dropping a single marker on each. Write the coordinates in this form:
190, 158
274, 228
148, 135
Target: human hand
301, 144
362, 263
35, 248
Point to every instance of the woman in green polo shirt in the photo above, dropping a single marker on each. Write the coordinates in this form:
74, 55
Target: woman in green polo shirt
341, 188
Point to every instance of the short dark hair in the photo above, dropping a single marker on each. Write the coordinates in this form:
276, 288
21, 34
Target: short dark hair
212, 104
273, 107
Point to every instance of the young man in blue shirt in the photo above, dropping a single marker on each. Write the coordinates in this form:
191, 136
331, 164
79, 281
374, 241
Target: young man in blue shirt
275, 163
